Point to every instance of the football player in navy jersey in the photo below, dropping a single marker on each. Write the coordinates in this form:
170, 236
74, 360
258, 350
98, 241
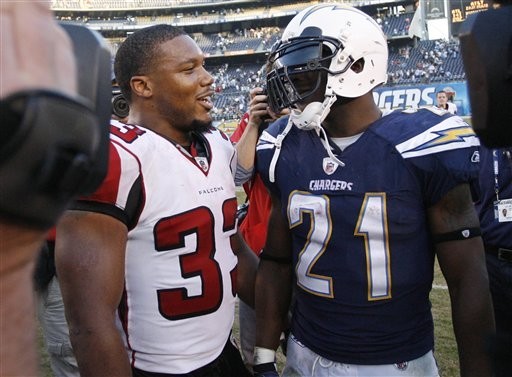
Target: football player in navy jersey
362, 203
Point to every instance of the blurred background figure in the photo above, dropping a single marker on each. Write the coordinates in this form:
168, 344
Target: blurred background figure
444, 104
50, 312
495, 211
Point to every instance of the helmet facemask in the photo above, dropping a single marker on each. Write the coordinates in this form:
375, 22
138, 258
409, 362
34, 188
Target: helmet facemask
299, 68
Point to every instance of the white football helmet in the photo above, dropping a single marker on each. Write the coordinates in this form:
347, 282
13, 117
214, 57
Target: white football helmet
327, 38
319, 47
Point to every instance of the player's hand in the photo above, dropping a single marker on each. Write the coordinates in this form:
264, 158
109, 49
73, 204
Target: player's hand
283, 341
265, 370
258, 108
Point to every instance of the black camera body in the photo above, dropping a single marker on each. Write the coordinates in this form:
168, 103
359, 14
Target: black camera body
486, 46
120, 107
57, 146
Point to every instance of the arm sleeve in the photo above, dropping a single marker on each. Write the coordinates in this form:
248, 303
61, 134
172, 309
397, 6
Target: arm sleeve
121, 193
235, 137
242, 175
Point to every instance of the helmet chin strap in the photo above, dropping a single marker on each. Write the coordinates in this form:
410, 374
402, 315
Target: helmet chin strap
313, 115
311, 118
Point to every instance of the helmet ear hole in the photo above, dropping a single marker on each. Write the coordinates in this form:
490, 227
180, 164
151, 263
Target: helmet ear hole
358, 66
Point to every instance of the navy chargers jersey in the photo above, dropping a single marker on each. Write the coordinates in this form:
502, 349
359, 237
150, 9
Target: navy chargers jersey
362, 253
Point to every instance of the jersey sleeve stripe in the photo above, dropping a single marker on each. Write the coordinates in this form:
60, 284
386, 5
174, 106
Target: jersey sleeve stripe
452, 133
104, 208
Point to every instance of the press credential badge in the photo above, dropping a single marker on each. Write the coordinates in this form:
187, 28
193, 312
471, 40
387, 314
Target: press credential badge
503, 210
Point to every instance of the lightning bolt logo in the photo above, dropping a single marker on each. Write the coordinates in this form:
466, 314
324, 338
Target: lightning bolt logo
452, 135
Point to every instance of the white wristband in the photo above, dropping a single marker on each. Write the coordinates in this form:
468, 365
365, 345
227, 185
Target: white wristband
264, 355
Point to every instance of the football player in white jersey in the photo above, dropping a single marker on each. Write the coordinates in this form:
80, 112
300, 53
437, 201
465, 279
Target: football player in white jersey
362, 204
150, 263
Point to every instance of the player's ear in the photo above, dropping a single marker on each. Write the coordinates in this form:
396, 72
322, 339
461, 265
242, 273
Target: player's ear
358, 66
140, 86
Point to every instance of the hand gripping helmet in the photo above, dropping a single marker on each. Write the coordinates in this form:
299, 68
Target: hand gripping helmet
327, 38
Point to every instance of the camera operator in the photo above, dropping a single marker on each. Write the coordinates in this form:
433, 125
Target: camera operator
486, 48
54, 146
36, 54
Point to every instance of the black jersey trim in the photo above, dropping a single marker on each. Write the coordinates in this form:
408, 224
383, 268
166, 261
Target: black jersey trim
104, 208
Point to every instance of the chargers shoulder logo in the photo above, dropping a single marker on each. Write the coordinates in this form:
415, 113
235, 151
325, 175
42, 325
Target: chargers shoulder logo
452, 133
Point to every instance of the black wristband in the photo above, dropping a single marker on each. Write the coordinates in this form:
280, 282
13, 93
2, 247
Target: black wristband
271, 258
266, 367
457, 235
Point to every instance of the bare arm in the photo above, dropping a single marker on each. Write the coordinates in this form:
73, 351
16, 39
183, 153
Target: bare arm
18, 247
463, 265
90, 251
246, 269
274, 281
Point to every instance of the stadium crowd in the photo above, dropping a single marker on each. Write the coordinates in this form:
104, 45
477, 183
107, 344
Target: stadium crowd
428, 62
410, 62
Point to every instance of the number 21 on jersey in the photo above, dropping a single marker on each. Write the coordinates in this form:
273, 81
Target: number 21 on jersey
371, 226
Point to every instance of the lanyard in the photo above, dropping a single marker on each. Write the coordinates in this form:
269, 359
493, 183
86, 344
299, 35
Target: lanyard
495, 165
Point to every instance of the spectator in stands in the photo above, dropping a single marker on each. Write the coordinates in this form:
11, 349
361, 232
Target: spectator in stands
442, 102
496, 221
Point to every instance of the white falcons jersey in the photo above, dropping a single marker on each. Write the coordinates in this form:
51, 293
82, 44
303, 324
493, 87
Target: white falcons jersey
178, 307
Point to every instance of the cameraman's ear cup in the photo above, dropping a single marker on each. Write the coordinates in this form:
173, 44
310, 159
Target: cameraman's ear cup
120, 107
486, 47
94, 67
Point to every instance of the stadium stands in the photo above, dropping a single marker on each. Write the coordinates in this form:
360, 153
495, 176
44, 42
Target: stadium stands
396, 25
236, 35
429, 61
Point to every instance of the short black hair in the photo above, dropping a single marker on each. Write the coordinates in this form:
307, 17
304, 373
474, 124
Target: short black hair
137, 53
